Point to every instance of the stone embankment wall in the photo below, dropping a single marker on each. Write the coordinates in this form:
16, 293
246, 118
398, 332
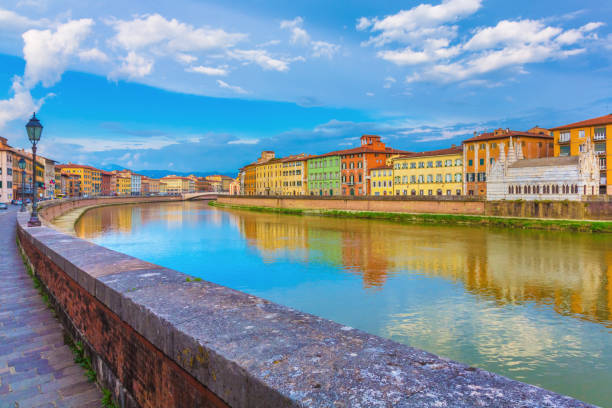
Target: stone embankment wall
577, 210
158, 339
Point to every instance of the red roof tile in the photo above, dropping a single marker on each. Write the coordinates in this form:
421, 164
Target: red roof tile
505, 134
602, 120
439, 152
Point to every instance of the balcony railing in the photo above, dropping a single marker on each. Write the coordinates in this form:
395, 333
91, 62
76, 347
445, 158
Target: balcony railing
599, 136
600, 152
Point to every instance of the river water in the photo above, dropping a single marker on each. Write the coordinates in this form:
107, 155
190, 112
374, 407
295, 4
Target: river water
531, 305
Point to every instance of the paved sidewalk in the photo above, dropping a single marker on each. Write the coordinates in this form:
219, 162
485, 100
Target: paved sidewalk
36, 368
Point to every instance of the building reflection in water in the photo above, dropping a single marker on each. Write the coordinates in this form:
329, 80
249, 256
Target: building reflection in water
571, 273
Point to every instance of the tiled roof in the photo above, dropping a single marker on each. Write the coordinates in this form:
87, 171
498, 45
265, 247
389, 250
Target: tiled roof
366, 149
547, 161
602, 120
504, 134
440, 152
385, 167
76, 166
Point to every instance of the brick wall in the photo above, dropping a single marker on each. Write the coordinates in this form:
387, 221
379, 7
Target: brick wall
391, 204
582, 210
145, 375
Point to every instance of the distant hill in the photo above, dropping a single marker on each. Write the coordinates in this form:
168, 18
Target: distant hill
159, 173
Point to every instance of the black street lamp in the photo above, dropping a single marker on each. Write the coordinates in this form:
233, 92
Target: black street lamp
22, 166
34, 129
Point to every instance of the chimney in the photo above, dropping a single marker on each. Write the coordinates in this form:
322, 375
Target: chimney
453, 145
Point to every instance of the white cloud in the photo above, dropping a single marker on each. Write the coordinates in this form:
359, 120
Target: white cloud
233, 88
363, 23
170, 36
201, 69
133, 66
301, 37
510, 33
388, 82
324, 49
93, 54
89, 145
261, 58
11, 21
419, 22
186, 58
298, 34
20, 106
427, 38
47, 52
243, 142
369, 94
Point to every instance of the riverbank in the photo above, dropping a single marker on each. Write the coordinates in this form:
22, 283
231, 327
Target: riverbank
440, 219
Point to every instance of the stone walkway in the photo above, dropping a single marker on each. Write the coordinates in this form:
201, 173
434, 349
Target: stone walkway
36, 368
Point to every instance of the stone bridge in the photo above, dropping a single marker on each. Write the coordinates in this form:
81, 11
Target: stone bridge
209, 195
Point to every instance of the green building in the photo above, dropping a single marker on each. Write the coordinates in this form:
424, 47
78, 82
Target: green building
324, 174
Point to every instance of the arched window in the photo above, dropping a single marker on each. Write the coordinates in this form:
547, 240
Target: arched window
413, 192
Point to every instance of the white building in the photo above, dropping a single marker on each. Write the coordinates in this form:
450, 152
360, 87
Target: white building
6, 172
513, 177
136, 182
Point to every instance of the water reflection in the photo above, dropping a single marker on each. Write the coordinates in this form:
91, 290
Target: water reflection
532, 305
570, 272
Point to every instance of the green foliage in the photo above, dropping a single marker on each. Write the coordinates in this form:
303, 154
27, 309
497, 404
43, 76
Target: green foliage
107, 399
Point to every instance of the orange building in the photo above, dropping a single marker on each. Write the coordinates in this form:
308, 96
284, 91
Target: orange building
356, 164
481, 151
570, 140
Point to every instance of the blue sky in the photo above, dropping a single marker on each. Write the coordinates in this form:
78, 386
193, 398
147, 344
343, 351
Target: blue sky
207, 85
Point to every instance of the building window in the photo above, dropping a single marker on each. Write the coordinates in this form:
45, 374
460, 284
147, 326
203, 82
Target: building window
438, 178
491, 160
483, 146
413, 165
470, 162
421, 165
429, 164
439, 163
429, 192
481, 162
564, 137
600, 134
429, 178
600, 148
413, 179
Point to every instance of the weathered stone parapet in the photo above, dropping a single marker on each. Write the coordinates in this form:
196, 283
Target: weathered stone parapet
169, 342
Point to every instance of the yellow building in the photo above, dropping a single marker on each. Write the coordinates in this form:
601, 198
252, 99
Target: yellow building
178, 185
294, 173
269, 177
570, 140
124, 185
90, 177
436, 172
381, 180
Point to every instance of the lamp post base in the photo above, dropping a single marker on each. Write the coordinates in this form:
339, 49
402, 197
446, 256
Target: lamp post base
34, 221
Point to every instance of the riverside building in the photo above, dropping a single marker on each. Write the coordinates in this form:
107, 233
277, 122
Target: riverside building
357, 162
294, 173
434, 172
570, 141
481, 151
381, 180
324, 174
512, 177
90, 178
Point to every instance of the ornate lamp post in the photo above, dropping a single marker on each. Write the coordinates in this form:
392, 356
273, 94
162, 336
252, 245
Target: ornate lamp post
22, 166
34, 129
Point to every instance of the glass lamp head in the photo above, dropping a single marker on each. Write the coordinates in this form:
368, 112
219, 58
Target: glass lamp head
34, 129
